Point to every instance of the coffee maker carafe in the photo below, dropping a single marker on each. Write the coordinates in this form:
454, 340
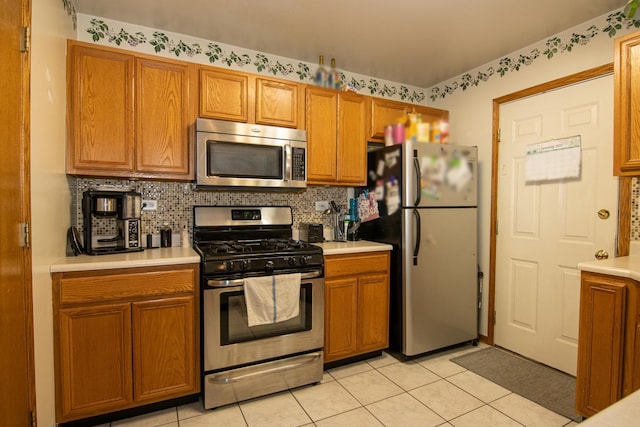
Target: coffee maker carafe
111, 221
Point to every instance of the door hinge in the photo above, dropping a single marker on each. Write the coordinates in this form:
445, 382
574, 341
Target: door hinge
25, 39
25, 234
499, 134
33, 419
494, 317
497, 226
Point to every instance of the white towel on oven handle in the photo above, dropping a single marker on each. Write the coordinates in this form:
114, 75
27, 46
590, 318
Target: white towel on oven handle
272, 299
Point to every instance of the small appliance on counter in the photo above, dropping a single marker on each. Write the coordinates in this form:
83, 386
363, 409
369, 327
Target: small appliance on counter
106, 211
311, 232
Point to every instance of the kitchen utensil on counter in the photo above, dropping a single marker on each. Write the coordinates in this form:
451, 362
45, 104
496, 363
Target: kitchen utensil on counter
352, 230
165, 236
311, 232
74, 242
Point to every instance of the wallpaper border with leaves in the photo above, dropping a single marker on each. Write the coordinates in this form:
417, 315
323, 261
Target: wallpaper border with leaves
106, 31
615, 22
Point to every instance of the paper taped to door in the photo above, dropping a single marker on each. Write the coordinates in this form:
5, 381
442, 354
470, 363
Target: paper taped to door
553, 159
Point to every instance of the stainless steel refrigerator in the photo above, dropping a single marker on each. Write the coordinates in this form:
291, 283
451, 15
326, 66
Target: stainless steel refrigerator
427, 204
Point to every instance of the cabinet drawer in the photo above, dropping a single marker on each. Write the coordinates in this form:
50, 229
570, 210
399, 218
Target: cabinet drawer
109, 286
341, 265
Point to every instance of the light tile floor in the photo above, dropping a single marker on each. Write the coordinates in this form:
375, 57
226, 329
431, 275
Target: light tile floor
429, 391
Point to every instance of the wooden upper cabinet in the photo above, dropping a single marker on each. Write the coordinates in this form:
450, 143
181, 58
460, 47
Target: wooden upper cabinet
163, 118
387, 112
321, 116
626, 107
384, 112
336, 137
277, 103
224, 95
248, 98
129, 115
100, 110
352, 139
429, 114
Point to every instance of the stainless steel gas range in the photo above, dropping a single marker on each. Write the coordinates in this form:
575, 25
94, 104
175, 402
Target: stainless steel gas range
236, 245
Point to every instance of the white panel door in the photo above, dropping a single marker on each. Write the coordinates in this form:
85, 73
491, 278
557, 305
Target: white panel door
546, 228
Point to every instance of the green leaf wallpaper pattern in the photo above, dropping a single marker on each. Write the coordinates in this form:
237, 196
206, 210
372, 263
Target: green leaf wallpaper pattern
215, 55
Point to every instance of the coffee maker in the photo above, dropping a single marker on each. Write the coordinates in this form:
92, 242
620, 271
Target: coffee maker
115, 213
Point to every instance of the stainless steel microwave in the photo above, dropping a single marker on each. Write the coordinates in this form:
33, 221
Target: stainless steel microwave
233, 155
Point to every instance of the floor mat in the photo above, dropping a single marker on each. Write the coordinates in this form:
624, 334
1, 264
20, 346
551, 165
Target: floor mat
541, 384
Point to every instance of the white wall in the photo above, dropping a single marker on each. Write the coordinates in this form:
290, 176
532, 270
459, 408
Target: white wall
471, 114
50, 197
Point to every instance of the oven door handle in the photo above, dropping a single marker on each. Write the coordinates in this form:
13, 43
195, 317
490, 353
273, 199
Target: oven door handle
239, 282
223, 379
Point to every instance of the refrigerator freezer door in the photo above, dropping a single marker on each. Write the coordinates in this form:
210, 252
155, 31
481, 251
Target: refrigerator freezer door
447, 175
440, 287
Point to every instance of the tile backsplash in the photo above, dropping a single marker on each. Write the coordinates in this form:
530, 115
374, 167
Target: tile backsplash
176, 200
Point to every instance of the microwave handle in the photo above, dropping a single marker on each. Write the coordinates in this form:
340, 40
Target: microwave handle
287, 163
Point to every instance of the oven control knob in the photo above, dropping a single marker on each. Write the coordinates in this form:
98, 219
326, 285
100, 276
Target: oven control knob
268, 265
292, 261
229, 265
244, 264
303, 260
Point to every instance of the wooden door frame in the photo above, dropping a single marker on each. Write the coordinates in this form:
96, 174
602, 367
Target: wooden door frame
624, 185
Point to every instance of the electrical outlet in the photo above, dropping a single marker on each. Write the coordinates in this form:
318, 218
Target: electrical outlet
149, 205
322, 205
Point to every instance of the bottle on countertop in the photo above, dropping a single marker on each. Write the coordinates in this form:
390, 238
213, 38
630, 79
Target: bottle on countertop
322, 75
184, 236
165, 236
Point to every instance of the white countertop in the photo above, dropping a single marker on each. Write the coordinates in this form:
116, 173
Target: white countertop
178, 255
625, 266
146, 258
351, 247
623, 413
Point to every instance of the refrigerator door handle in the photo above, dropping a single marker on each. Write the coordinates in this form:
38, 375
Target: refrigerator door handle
416, 246
416, 167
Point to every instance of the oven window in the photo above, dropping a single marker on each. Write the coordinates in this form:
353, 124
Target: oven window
234, 326
238, 160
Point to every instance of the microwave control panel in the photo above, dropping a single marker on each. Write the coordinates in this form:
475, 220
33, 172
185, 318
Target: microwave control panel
298, 164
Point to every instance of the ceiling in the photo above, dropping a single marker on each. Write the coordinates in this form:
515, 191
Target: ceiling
415, 42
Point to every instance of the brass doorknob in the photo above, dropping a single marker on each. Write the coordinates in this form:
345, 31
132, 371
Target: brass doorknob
603, 214
602, 254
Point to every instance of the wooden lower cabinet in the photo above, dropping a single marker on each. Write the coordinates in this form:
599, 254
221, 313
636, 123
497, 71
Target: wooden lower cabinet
608, 341
124, 338
356, 304
163, 336
94, 368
